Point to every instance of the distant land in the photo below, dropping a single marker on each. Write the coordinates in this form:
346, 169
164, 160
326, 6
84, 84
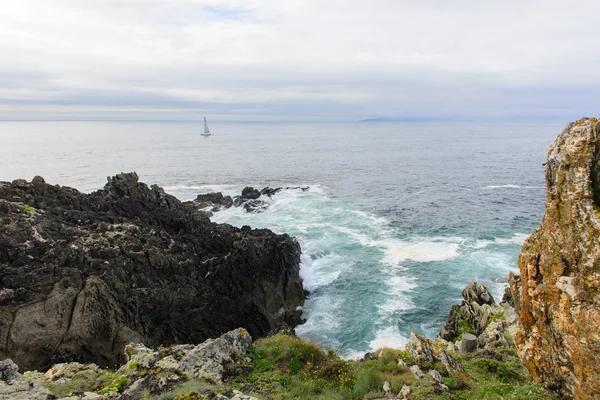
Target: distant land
415, 119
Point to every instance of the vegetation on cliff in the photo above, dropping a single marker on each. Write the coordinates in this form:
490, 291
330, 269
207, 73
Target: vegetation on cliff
285, 367
557, 295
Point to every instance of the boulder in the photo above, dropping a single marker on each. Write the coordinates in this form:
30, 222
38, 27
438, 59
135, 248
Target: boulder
416, 371
214, 200
82, 275
468, 343
9, 371
404, 392
250, 193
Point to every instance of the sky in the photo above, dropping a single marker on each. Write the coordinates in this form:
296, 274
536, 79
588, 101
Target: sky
300, 60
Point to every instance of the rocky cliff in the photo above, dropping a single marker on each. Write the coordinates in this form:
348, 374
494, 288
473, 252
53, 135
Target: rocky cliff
81, 275
557, 294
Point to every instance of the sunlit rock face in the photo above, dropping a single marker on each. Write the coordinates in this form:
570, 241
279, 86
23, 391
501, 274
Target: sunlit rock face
557, 295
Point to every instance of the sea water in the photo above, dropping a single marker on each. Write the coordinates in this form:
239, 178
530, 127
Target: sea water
398, 217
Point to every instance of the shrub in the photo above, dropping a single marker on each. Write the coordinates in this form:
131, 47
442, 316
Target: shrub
367, 380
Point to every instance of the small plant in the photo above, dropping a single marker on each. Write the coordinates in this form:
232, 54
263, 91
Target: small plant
499, 316
117, 385
27, 208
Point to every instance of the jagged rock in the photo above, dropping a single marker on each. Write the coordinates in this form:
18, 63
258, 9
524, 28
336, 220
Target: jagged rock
23, 388
142, 355
387, 387
9, 371
250, 193
416, 371
69, 370
493, 336
82, 275
255, 206
401, 363
138, 390
404, 392
214, 200
557, 295
421, 348
437, 377
204, 361
267, 191
468, 344
474, 309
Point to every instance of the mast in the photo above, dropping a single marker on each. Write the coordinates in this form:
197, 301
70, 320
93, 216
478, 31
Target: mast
206, 131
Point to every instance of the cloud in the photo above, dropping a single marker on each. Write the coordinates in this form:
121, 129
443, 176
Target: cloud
299, 58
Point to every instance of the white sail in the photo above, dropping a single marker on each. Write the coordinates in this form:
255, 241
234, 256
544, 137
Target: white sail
206, 130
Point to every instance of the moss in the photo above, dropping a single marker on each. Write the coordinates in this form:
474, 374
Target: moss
117, 385
27, 208
499, 316
132, 366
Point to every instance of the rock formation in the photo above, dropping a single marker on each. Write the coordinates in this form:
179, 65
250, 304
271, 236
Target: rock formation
81, 275
147, 374
249, 199
557, 295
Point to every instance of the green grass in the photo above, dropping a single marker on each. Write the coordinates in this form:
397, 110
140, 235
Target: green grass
499, 316
116, 385
287, 368
83, 382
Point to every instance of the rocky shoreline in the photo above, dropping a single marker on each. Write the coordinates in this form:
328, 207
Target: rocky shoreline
88, 281
226, 368
82, 275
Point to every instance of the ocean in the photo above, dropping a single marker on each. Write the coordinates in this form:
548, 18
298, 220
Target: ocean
399, 217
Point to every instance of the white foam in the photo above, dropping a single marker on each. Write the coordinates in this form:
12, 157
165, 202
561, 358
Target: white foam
321, 317
502, 186
306, 273
388, 337
510, 186
200, 188
517, 239
398, 251
320, 272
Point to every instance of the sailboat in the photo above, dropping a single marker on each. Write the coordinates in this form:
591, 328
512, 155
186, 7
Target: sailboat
206, 131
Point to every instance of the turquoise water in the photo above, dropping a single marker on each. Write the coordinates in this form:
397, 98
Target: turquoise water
398, 218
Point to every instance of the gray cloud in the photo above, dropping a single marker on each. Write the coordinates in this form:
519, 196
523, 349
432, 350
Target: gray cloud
267, 59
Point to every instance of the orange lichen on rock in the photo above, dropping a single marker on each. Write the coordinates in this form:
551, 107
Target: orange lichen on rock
558, 293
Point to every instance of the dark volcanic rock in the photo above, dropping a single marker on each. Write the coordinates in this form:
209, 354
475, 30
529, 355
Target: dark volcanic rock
250, 193
214, 199
81, 275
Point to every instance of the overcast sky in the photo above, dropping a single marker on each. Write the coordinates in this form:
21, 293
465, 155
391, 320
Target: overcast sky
299, 59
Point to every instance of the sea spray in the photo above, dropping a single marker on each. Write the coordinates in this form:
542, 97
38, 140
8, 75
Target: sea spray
367, 280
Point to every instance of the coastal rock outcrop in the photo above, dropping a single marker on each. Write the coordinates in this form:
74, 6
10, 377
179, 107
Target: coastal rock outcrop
82, 275
473, 313
557, 295
249, 200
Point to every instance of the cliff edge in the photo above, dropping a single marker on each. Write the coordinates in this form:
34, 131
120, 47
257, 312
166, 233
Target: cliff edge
557, 295
82, 275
